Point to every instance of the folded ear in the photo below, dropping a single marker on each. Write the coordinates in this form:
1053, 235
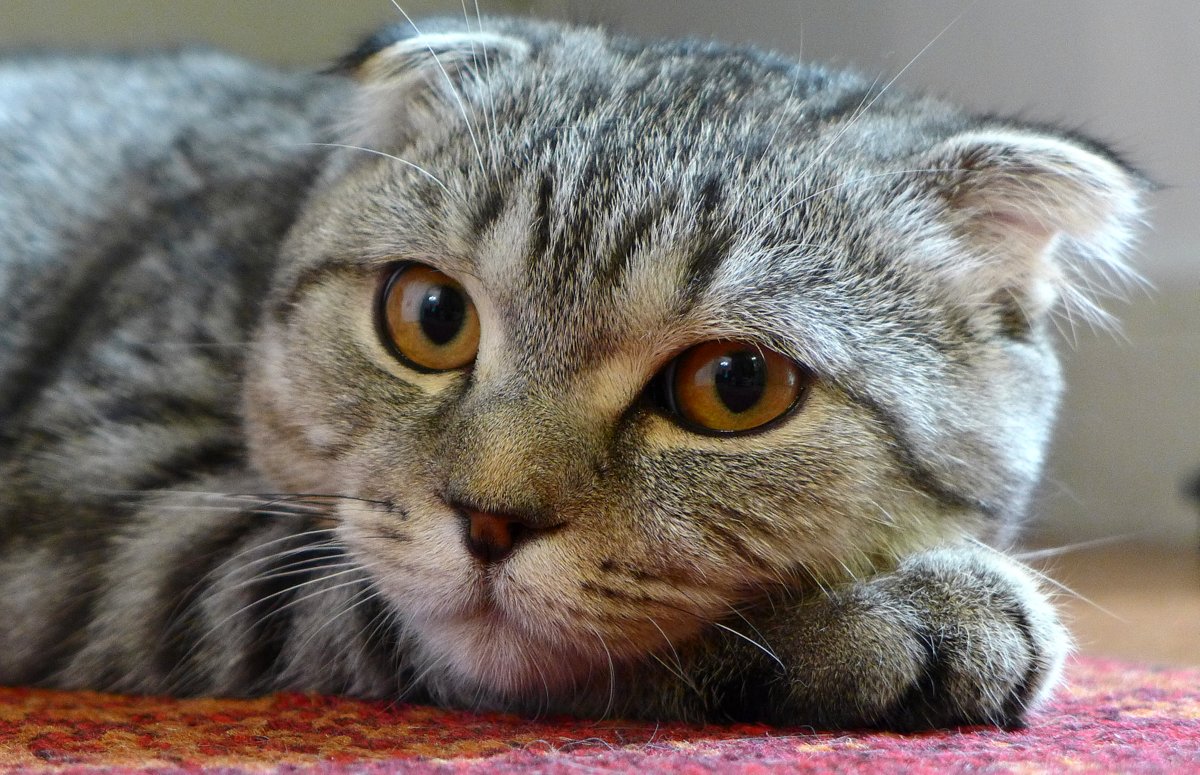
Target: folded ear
1043, 217
411, 80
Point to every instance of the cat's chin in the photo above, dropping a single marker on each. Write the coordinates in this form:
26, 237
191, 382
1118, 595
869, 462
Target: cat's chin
487, 660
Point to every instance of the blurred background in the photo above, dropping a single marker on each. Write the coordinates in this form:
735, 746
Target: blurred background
1127, 448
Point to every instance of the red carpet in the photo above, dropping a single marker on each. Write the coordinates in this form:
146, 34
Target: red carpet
1111, 717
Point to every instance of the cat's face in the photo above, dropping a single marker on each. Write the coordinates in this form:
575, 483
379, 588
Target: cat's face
597, 212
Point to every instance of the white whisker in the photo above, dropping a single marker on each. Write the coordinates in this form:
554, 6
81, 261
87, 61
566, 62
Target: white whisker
454, 91
392, 157
1041, 554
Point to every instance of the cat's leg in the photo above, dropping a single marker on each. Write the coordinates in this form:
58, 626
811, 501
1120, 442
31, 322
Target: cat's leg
223, 587
952, 636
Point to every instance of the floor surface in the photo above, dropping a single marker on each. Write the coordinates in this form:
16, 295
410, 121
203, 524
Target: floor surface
1144, 601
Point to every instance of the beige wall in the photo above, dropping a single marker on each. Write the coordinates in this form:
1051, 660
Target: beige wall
1129, 434
300, 32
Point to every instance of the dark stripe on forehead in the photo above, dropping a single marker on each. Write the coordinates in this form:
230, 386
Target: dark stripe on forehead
542, 227
707, 251
491, 205
491, 199
634, 232
711, 240
709, 195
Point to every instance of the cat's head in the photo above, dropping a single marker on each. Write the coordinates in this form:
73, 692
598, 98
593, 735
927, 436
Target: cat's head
619, 337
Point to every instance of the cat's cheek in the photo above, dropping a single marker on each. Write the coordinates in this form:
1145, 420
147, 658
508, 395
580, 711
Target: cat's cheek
418, 562
807, 493
291, 453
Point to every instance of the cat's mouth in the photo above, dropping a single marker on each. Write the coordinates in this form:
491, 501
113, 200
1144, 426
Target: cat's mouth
489, 603
518, 620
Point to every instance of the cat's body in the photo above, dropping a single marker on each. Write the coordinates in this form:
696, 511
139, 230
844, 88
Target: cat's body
222, 472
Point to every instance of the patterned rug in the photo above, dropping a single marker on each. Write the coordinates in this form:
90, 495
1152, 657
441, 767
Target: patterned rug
1112, 717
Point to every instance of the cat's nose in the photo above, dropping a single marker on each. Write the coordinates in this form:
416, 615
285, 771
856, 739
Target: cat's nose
492, 537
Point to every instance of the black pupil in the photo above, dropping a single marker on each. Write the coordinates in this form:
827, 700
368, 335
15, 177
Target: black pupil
741, 378
443, 311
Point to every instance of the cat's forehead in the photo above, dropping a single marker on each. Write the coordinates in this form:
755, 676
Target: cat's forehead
653, 226
578, 266
603, 200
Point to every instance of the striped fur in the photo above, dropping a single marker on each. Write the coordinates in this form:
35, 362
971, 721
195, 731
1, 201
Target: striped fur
216, 479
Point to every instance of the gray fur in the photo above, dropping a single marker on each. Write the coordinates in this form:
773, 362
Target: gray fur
179, 517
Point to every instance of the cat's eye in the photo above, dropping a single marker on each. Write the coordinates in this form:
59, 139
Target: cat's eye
427, 319
731, 387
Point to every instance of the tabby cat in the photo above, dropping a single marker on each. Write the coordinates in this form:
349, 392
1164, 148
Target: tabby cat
522, 366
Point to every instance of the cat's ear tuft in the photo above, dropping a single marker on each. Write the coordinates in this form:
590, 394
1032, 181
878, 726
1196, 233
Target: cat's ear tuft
353, 62
409, 78
1048, 220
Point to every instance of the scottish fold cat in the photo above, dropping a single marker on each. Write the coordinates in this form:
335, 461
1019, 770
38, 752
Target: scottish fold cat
524, 366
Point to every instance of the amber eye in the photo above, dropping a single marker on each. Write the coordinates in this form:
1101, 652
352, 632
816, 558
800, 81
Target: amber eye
428, 319
730, 387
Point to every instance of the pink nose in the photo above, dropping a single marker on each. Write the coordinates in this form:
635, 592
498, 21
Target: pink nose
492, 537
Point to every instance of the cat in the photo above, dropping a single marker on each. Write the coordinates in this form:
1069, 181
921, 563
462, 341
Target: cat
523, 366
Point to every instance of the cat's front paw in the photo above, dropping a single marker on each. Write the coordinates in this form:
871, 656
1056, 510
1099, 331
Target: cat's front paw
953, 636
